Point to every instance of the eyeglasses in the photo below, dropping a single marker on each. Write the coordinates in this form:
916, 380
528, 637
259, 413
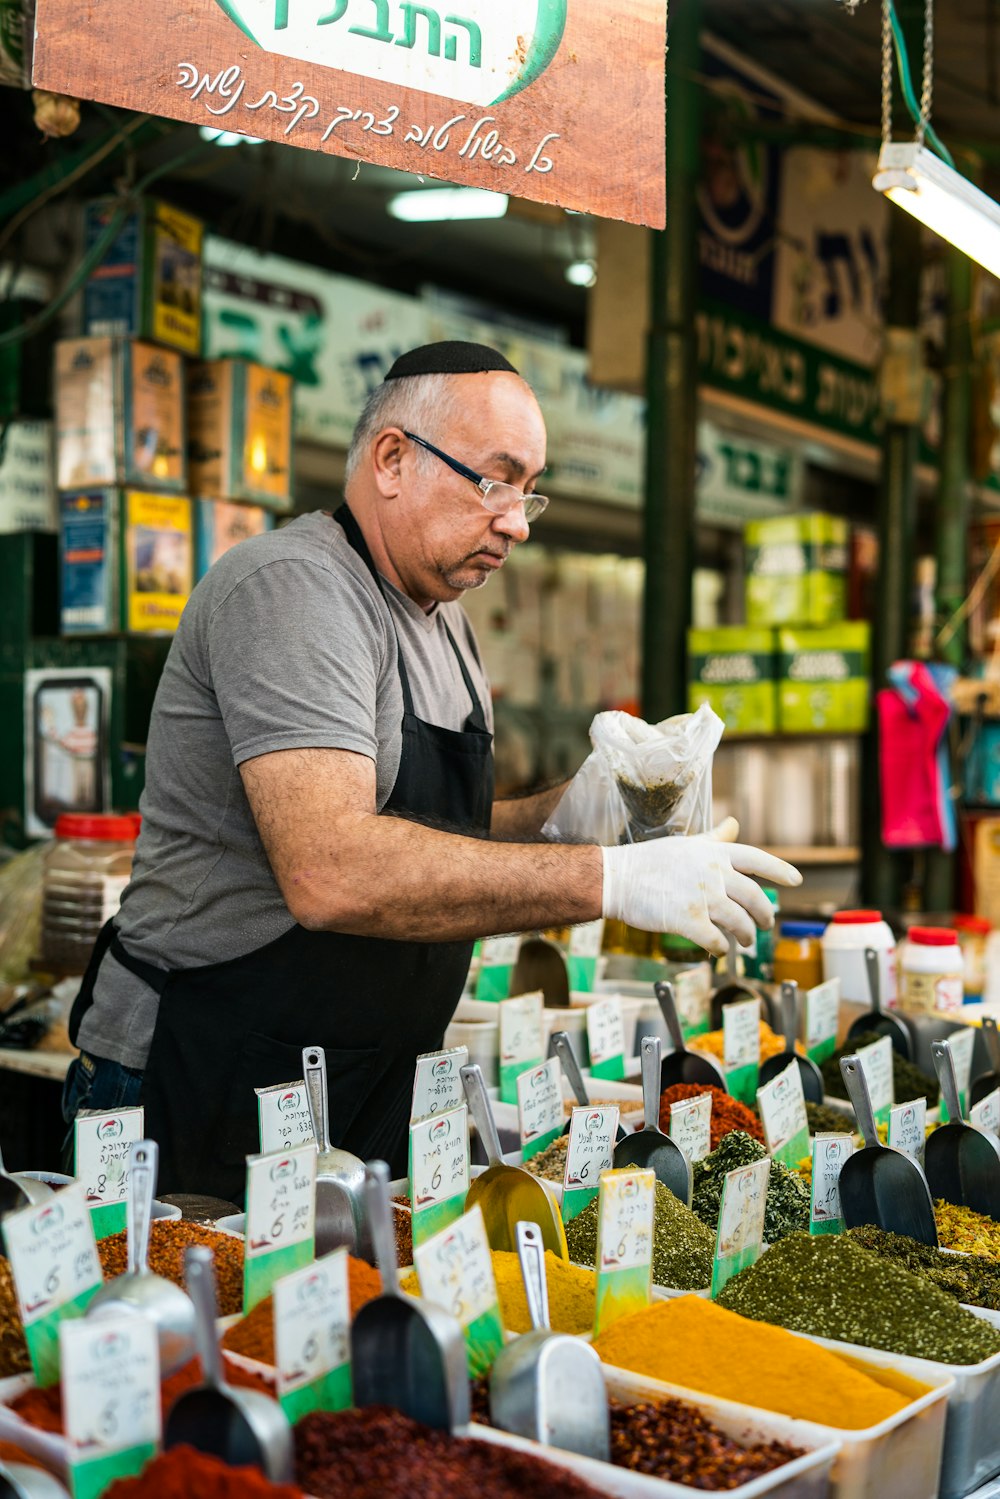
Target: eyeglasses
494, 494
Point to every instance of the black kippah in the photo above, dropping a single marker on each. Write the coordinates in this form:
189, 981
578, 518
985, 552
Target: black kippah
450, 357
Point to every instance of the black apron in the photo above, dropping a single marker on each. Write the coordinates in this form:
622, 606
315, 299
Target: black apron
374, 1004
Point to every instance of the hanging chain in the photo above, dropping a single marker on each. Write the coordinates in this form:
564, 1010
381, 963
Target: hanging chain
927, 89
886, 73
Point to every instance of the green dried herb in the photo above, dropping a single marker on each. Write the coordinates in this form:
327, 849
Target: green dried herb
682, 1246
649, 806
833, 1288
827, 1121
972, 1278
908, 1081
787, 1195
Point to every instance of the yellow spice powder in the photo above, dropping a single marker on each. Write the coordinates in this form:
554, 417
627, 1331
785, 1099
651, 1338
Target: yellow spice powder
571, 1291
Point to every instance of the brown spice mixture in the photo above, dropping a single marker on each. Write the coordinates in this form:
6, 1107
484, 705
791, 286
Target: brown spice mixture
168, 1239
253, 1335
13, 1349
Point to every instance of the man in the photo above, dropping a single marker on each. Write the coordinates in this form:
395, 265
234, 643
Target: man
320, 841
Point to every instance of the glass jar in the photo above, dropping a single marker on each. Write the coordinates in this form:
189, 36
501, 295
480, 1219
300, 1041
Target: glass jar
86, 871
798, 955
972, 934
931, 972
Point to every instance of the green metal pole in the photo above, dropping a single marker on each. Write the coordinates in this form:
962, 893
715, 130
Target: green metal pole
671, 388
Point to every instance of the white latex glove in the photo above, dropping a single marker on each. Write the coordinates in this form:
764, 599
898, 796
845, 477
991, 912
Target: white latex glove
699, 888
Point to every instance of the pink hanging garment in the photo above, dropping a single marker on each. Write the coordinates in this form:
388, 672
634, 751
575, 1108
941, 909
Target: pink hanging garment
912, 718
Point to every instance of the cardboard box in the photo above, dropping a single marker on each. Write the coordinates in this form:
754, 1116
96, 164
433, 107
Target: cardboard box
126, 562
119, 415
796, 567
240, 432
27, 479
149, 283
734, 670
824, 679
221, 524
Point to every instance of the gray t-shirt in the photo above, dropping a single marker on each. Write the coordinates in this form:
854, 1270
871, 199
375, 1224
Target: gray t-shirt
285, 644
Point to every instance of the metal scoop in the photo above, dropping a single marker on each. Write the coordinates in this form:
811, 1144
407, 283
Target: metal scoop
734, 988
540, 965
812, 1078
20, 1481
649, 1148
242, 1427
137, 1289
406, 1353
19, 1191
984, 1082
559, 1042
340, 1176
507, 1194
962, 1163
546, 1385
878, 1020
683, 1066
878, 1185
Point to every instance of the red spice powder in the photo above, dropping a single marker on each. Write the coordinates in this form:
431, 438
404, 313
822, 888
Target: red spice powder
184, 1473
43, 1408
727, 1112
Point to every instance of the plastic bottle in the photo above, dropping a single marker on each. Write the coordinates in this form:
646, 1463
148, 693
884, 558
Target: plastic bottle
86, 871
972, 934
931, 971
798, 956
844, 943
759, 964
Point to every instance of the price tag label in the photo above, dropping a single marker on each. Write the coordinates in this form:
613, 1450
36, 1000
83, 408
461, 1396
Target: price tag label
439, 1171
691, 1126
591, 1149
281, 1219
584, 950
822, 1019
606, 1039
961, 1044
456, 1272
829, 1153
437, 1082
521, 1044
53, 1257
908, 1129
283, 1117
876, 1064
740, 1235
111, 1399
782, 1108
101, 1145
540, 1107
693, 997
497, 957
741, 1048
312, 1337
627, 1203
986, 1113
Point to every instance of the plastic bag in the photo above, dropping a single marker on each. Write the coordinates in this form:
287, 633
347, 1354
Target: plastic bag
640, 781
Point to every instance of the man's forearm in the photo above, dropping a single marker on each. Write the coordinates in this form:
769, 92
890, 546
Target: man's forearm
524, 816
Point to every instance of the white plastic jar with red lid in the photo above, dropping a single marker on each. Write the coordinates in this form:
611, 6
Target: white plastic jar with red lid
86, 871
844, 943
932, 971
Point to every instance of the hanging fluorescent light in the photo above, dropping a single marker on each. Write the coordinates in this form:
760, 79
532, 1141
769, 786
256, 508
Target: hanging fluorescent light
432, 205
228, 137
581, 273
933, 192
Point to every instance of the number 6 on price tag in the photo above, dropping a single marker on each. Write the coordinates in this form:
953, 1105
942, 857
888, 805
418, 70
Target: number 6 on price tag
281, 1219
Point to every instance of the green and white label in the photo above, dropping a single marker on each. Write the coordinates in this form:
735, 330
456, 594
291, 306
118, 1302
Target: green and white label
741, 1048
53, 1256
961, 1044
111, 1399
312, 1337
455, 1271
829, 1152
693, 998
439, 1171
437, 1082
540, 1113
497, 956
822, 1005
281, 1219
740, 1235
591, 1150
521, 1041
876, 1064
283, 1117
100, 1161
691, 1126
986, 1113
908, 1129
584, 950
782, 1108
606, 1039
627, 1204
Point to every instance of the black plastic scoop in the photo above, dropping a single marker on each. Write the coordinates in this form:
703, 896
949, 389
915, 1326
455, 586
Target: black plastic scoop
985, 1082
879, 1185
559, 1043
962, 1163
649, 1148
683, 1066
878, 1020
812, 1078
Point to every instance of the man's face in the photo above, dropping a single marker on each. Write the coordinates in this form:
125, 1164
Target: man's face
440, 537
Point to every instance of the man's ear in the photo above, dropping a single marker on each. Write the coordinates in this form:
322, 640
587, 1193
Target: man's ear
387, 459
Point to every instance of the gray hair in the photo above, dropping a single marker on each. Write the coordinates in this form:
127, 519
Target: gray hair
420, 403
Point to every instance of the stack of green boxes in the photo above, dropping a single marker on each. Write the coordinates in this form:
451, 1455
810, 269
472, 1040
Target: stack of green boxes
798, 666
